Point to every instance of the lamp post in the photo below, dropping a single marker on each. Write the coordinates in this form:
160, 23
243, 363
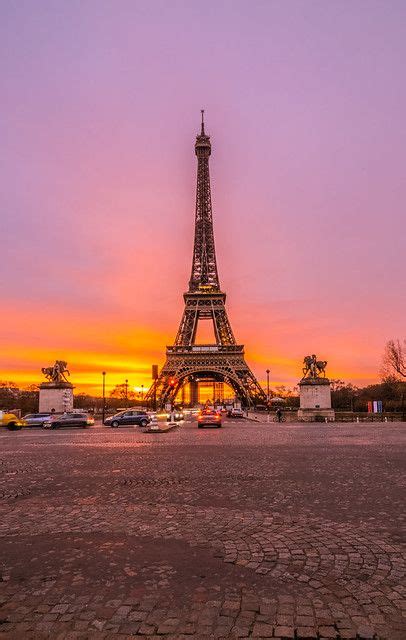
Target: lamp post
267, 383
104, 397
154, 378
142, 393
126, 392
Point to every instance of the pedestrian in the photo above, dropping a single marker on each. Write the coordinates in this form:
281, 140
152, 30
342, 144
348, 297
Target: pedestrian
279, 414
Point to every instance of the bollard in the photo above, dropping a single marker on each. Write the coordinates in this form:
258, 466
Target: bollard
325, 420
153, 425
357, 418
386, 418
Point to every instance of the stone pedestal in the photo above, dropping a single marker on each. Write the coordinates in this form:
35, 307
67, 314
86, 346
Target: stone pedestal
315, 400
55, 397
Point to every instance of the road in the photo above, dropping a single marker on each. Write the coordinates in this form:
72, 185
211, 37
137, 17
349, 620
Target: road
252, 530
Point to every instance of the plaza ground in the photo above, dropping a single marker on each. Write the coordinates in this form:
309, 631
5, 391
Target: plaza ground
254, 530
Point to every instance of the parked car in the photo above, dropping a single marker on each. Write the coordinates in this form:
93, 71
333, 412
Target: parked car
11, 421
69, 420
209, 418
235, 413
140, 418
36, 419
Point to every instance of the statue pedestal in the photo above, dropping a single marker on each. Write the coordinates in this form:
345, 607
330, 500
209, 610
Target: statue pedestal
315, 400
55, 397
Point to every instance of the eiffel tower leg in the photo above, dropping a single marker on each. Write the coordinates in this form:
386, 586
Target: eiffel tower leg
194, 392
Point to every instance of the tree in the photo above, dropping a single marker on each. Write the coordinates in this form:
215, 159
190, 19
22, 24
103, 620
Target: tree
336, 384
29, 399
85, 401
290, 396
12, 398
122, 392
394, 359
285, 392
343, 395
9, 394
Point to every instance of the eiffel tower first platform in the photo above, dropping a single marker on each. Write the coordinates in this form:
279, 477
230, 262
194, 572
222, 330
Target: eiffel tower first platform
188, 363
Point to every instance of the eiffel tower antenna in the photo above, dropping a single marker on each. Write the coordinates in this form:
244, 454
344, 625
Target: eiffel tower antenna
223, 361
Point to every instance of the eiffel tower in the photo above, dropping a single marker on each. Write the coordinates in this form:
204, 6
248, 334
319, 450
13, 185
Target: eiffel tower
188, 362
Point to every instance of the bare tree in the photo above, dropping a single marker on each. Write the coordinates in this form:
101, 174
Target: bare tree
336, 384
122, 392
394, 358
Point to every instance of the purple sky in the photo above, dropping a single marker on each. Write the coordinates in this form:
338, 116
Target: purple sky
305, 104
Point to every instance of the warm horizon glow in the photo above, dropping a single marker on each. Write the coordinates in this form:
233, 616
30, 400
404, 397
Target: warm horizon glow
100, 111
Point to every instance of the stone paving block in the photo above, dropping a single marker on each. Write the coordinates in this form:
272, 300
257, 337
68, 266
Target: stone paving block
306, 632
285, 632
365, 633
347, 634
262, 630
327, 632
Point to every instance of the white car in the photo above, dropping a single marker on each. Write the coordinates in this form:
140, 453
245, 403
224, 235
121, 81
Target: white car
235, 413
177, 416
36, 419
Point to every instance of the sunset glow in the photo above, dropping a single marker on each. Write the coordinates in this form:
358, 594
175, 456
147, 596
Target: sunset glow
98, 187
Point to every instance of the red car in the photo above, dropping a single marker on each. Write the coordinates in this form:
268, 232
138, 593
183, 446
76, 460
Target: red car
209, 418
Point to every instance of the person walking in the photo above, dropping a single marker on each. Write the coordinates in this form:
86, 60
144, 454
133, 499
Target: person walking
279, 414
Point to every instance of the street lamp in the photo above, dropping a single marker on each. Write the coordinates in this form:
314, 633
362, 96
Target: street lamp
104, 396
267, 383
142, 393
154, 378
126, 392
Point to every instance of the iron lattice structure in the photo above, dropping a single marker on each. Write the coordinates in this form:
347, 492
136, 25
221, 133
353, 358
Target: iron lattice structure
186, 361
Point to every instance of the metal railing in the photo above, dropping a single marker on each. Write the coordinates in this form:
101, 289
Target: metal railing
206, 348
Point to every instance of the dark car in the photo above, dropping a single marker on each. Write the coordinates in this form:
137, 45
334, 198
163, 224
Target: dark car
69, 420
140, 418
209, 418
36, 419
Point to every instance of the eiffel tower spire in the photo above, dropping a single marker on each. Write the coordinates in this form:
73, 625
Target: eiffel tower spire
223, 361
204, 267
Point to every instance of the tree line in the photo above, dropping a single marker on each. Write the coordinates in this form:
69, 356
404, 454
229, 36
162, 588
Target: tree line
26, 398
345, 396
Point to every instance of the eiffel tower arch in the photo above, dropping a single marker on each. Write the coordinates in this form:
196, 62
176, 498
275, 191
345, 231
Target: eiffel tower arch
186, 361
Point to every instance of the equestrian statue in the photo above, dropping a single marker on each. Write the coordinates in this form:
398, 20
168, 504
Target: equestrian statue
57, 373
314, 368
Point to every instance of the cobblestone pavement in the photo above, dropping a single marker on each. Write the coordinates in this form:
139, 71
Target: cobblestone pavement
254, 530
